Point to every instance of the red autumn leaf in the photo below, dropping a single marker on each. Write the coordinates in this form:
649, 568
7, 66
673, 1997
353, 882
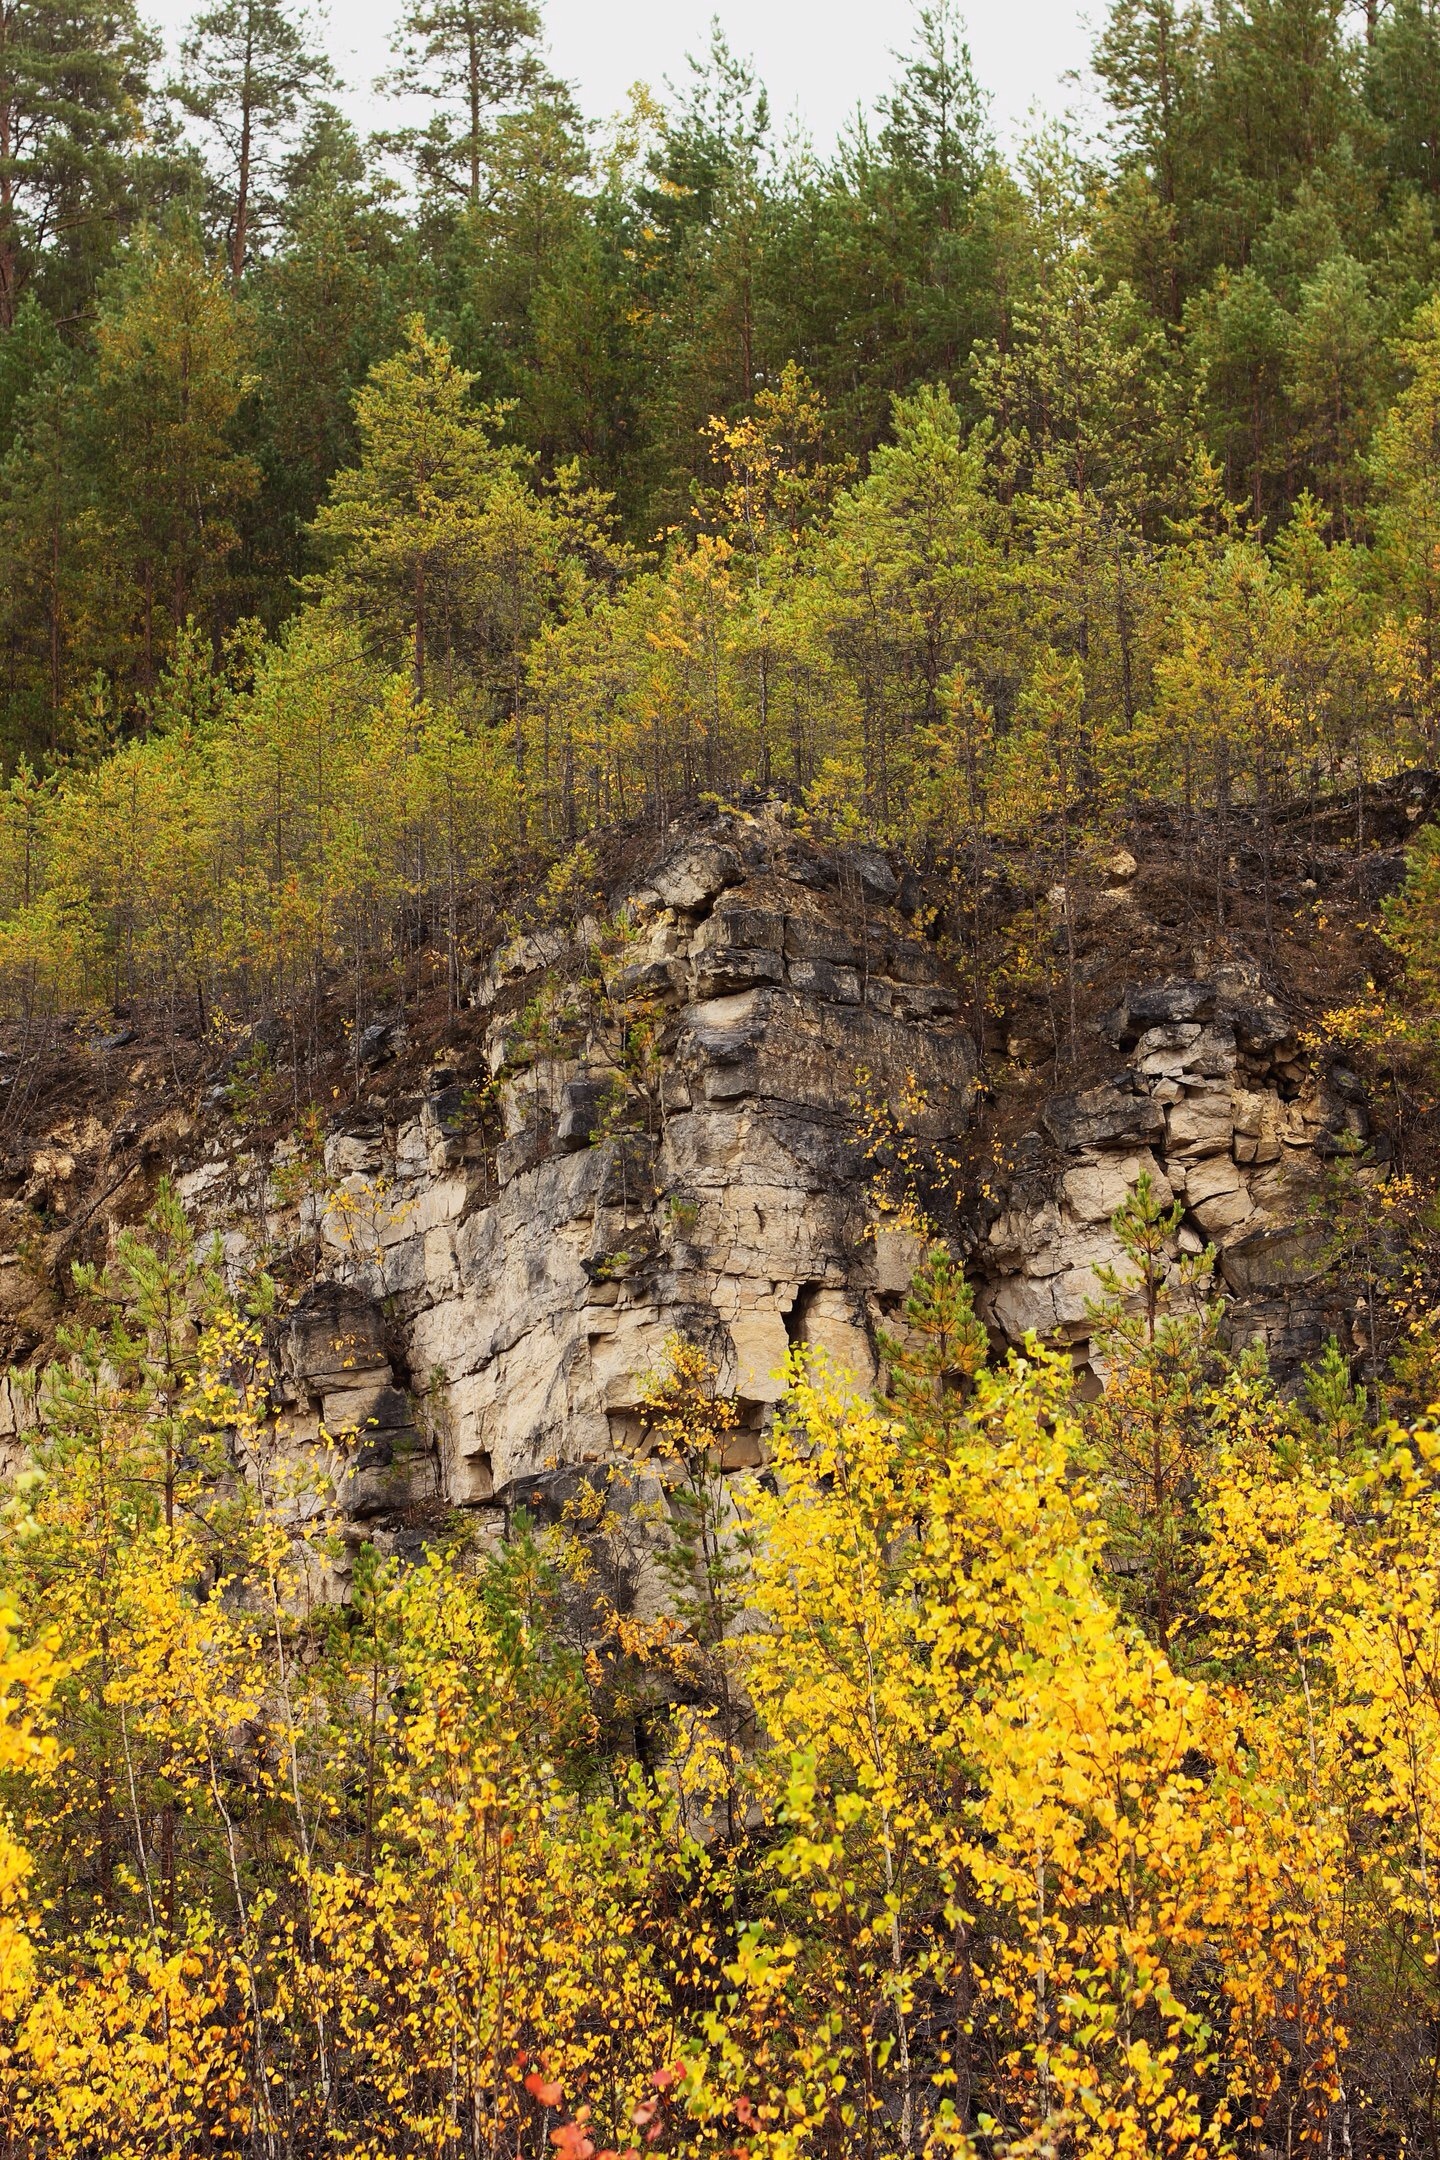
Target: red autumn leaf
548, 2095
571, 2143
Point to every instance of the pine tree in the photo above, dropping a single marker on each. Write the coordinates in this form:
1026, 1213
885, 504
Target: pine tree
1151, 59
42, 551
1334, 370
400, 527
1402, 86
1240, 338
912, 584
165, 480
249, 75
472, 59
74, 80
933, 132
1405, 474
324, 311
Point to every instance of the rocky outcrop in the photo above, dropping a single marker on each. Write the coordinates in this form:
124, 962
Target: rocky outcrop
657, 1124
661, 1130
668, 1119
1216, 1103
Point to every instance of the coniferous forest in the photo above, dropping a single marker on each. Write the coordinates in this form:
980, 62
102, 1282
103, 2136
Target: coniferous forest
395, 532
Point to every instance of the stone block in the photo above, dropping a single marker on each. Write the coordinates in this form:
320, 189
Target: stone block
1274, 1259
742, 1451
441, 1200
619, 1363
1019, 1305
1093, 1191
693, 876
1201, 1124
469, 1479
1261, 1030
412, 1149
811, 937
335, 1335
444, 1114
363, 1409
1249, 1110
723, 971
1300, 1122
760, 1344
741, 929
1027, 1237
824, 979
444, 1117
1257, 1126
365, 1490
829, 1321
924, 1001
528, 1147
529, 952
1163, 1004
902, 960
1184, 1048
897, 1254
1102, 1117
1286, 1190
346, 1153
583, 1104
1218, 1196
1075, 1293
659, 979
728, 1083
873, 873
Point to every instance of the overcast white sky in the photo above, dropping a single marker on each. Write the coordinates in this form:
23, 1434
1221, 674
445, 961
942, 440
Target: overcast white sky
816, 57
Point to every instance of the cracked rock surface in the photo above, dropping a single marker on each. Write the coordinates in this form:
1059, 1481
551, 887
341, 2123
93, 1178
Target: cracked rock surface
664, 1122
532, 1234
1214, 1101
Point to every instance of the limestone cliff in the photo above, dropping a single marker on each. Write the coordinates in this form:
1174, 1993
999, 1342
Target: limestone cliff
671, 1117
657, 1128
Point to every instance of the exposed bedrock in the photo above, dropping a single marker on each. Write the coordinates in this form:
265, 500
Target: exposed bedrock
1214, 1100
527, 1236
659, 1124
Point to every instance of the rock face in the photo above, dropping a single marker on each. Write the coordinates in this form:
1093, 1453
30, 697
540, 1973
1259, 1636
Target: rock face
667, 1138
336, 1377
1215, 1103
668, 1122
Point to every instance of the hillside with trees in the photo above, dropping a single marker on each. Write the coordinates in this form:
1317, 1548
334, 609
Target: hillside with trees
528, 647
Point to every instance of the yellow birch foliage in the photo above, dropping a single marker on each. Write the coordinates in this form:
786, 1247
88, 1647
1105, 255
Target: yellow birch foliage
141, 2054
27, 1679
1323, 1591
504, 1944
1028, 1876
